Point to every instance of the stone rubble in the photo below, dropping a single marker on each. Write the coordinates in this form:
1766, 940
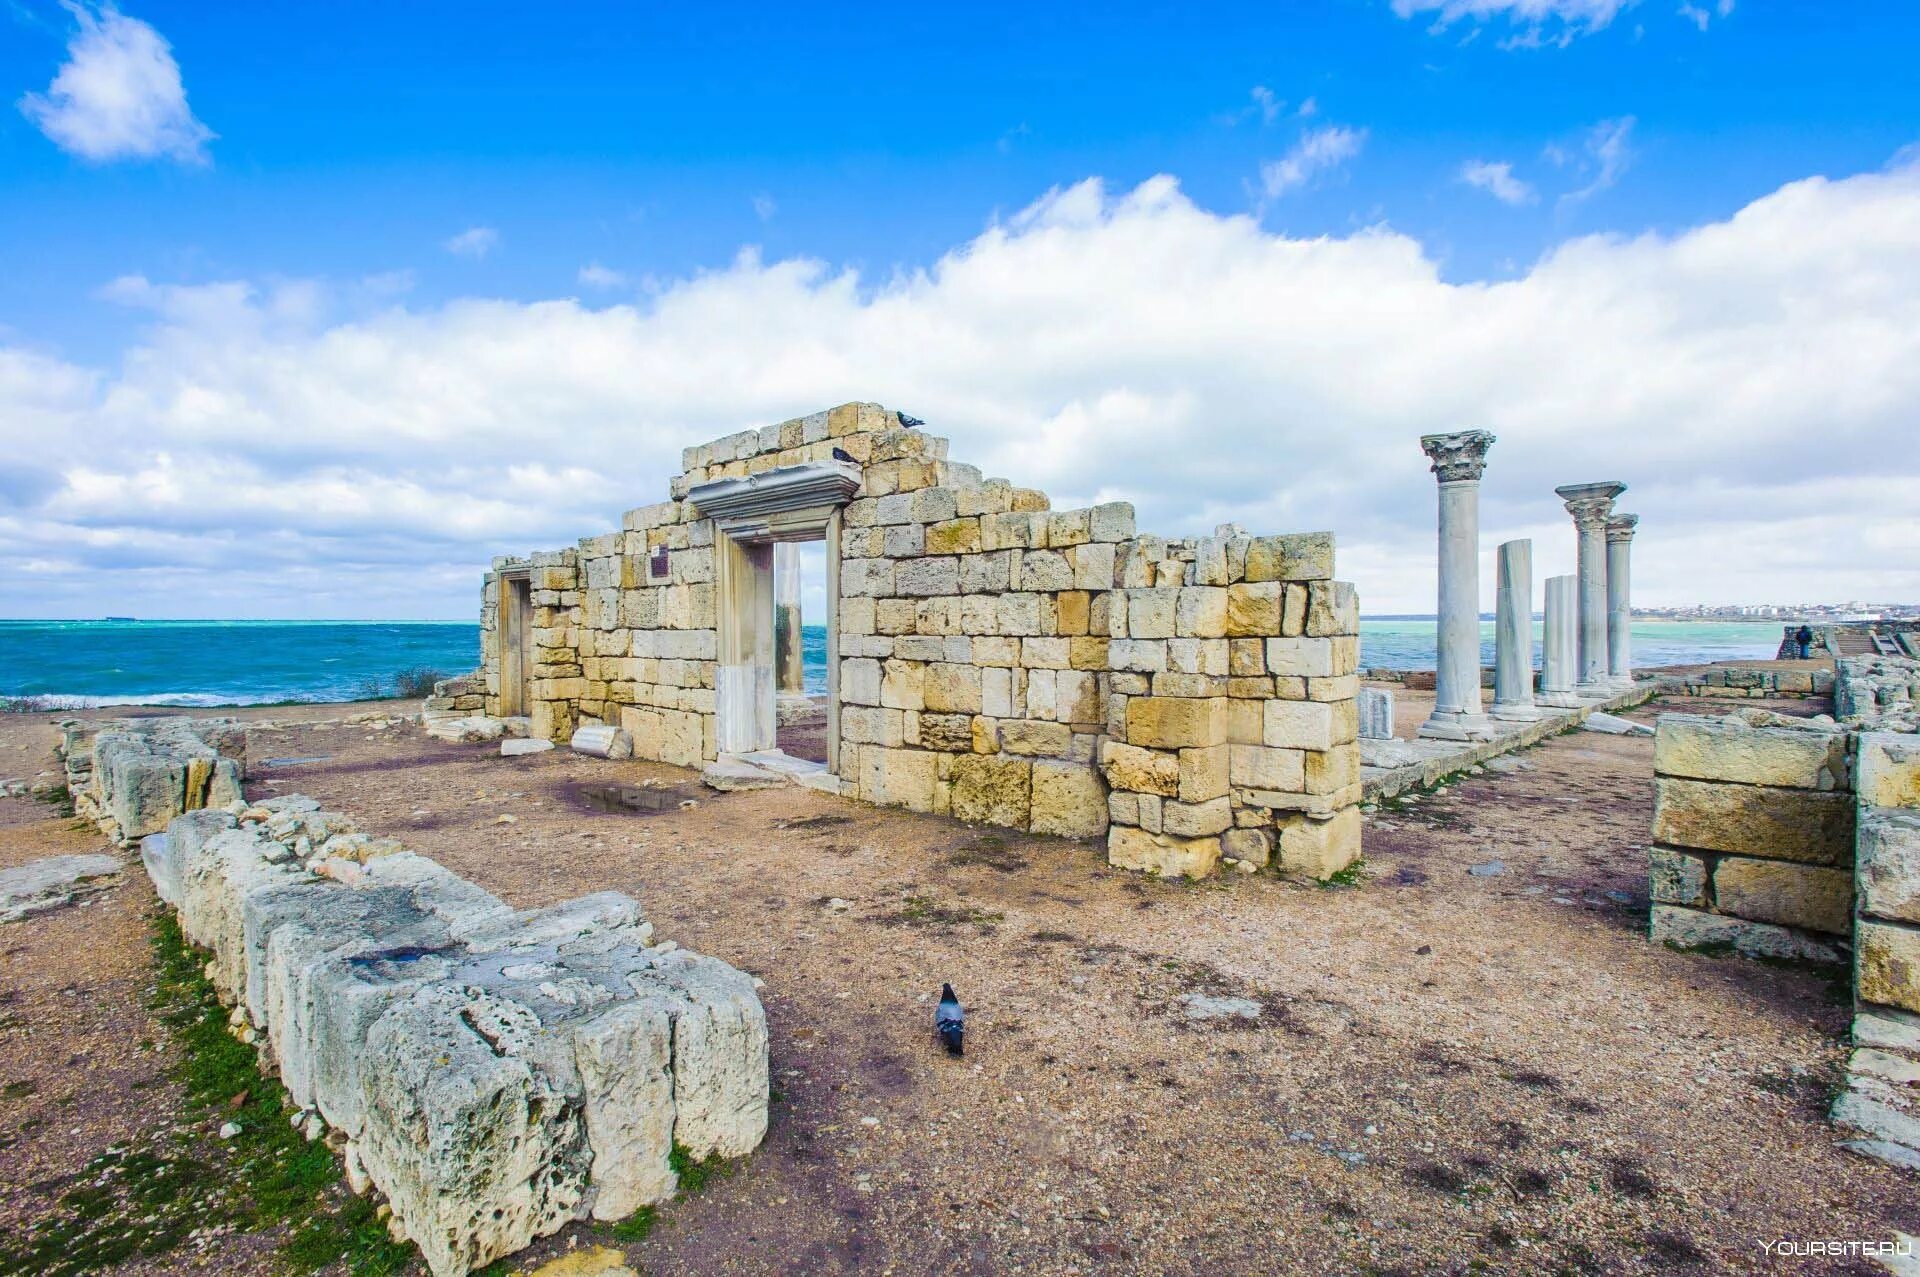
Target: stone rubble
50, 883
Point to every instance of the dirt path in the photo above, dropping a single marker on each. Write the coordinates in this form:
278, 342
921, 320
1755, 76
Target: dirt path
1444, 1067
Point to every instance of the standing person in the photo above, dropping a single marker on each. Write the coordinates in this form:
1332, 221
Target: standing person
1804, 637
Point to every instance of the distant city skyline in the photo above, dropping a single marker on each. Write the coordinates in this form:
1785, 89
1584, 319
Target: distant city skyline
315, 317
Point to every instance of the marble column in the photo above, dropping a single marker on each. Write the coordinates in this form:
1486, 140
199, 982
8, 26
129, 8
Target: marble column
1560, 649
1620, 598
1458, 461
1513, 635
1591, 504
789, 669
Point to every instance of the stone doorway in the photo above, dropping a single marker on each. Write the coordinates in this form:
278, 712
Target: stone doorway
516, 629
759, 521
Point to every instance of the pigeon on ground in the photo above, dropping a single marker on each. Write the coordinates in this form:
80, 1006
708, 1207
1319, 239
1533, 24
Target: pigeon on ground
950, 1021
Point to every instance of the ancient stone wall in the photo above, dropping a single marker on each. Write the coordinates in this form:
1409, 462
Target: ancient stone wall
1882, 1100
494, 1073
130, 777
1753, 834
1739, 682
1055, 671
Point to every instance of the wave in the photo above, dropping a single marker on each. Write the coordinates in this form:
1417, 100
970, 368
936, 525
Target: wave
185, 700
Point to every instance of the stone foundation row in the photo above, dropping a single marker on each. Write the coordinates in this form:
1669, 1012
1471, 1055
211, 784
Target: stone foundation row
495, 1073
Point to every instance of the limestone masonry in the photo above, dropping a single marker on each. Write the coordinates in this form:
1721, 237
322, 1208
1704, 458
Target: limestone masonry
495, 1073
1800, 838
1191, 701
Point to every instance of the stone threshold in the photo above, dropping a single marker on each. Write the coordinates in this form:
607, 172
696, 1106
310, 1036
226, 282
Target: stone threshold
1424, 761
768, 769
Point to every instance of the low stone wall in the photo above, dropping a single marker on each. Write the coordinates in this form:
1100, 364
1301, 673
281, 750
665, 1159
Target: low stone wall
132, 776
1743, 681
1881, 692
1753, 834
1882, 1099
496, 1073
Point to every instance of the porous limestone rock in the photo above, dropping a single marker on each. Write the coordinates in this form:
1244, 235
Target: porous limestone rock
1751, 748
1754, 820
602, 742
48, 883
515, 747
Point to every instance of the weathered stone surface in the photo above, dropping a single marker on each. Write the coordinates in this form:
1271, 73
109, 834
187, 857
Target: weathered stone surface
1252, 847
1376, 713
1069, 800
1691, 929
1173, 722
992, 790
1678, 877
1754, 820
1732, 748
520, 748
1143, 770
1887, 850
1170, 857
1887, 968
1889, 767
1320, 846
49, 883
1810, 897
731, 775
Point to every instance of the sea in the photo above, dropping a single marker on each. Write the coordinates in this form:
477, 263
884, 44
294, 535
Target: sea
205, 663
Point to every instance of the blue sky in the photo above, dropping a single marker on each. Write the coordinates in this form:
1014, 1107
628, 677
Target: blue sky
386, 173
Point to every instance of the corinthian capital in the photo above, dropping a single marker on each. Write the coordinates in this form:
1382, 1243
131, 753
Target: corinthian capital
1590, 503
1620, 527
1457, 457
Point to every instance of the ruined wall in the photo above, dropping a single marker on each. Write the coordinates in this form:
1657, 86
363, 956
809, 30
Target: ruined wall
1753, 834
1753, 683
1056, 671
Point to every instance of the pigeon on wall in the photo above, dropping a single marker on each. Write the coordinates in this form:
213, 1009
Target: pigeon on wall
950, 1021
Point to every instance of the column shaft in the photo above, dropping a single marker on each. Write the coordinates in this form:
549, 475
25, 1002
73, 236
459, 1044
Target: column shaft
1590, 504
1458, 461
1620, 599
1513, 635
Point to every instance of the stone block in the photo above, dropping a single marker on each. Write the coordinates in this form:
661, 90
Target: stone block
991, 790
1699, 747
1887, 969
1683, 928
1252, 847
602, 742
1678, 877
948, 733
1130, 767
1203, 774
860, 681
902, 684
1167, 722
1111, 522
1150, 614
1298, 724
1093, 566
1033, 738
898, 777
1044, 570
1197, 820
921, 578
1301, 657
1320, 846
952, 689
1256, 766
1143, 656
1375, 710
1810, 897
1889, 770
1073, 612
1069, 800
1305, 556
1253, 608
1333, 607
1201, 612
1162, 854
1887, 852
1754, 820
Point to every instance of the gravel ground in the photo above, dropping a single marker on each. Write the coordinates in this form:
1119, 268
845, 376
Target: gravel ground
1436, 1071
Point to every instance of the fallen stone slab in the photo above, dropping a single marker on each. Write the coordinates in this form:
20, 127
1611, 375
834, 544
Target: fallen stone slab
467, 728
51, 882
517, 748
730, 775
602, 742
1613, 725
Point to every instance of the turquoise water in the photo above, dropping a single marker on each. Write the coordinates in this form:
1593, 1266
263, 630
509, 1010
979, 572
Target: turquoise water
251, 662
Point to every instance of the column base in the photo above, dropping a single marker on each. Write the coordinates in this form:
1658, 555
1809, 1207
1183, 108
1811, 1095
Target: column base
1454, 725
1599, 689
1526, 713
1558, 700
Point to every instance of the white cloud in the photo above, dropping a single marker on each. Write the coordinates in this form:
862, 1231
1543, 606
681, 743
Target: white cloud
1317, 151
1263, 104
475, 242
1497, 180
118, 95
1607, 154
304, 449
1536, 23
764, 208
594, 275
